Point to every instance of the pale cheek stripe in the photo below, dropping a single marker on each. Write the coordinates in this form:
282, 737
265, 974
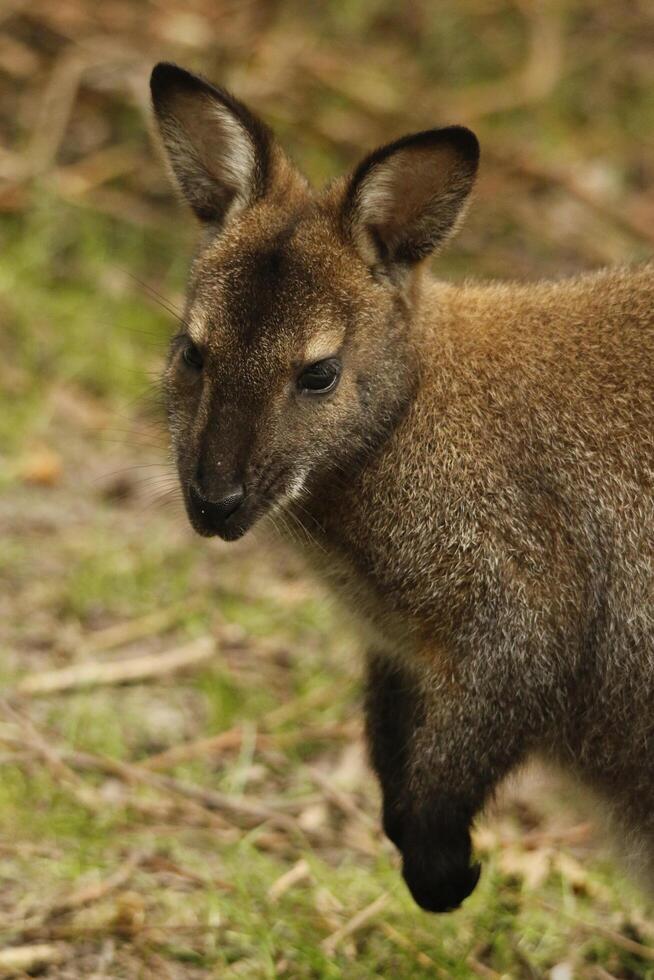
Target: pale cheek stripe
322, 346
297, 486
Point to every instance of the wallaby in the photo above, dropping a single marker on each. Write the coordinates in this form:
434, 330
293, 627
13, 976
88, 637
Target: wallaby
471, 467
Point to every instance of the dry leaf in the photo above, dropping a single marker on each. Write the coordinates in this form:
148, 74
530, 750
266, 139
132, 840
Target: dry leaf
532, 866
25, 959
42, 467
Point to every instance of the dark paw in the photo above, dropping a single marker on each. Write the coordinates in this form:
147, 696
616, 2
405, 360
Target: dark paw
438, 871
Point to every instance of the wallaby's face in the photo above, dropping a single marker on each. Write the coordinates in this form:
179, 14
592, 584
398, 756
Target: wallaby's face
295, 358
272, 378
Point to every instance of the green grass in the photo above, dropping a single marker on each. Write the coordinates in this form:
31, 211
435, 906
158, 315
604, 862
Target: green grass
230, 921
75, 313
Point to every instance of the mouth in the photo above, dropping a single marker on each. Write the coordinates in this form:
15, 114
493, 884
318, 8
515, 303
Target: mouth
224, 520
209, 519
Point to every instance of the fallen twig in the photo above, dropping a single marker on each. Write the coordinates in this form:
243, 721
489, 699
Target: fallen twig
211, 745
157, 863
93, 674
481, 969
340, 799
298, 873
21, 960
232, 806
196, 803
599, 973
121, 634
35, 924
405, 943
232, 738
630, 945
31, 738
358, 921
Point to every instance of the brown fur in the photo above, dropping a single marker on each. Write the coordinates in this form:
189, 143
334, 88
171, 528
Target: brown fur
478, 487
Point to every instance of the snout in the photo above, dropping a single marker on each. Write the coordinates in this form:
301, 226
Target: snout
226, 516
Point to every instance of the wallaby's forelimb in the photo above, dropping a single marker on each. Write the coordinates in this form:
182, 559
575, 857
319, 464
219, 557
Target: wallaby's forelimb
439, 753
393, 706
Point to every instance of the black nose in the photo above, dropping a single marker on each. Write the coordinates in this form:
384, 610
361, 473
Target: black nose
213, 513
229, 502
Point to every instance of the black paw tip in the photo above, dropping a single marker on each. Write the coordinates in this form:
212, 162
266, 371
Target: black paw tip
443, 894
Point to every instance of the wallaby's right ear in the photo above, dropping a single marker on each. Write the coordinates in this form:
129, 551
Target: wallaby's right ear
218, 151
405, 199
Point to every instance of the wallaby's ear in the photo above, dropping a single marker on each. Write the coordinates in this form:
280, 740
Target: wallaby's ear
218, 151
405, 199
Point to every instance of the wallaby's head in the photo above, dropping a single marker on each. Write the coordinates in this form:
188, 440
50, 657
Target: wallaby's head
295, 357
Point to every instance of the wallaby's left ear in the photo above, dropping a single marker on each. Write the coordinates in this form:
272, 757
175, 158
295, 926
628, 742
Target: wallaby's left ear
219, 152
405, 199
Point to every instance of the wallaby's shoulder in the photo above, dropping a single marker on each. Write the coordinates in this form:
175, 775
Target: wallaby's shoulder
628, 289
610, 306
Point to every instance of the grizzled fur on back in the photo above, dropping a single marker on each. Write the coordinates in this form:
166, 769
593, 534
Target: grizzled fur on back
470, 467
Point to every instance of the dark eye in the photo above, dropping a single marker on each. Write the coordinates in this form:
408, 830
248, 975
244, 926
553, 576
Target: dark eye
192, 357
319, 378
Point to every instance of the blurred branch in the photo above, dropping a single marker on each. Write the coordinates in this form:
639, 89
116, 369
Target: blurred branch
596, 928
636, 217
232, 739
56, 107
357, 922
532, 82
33, 926
118, 672
154, 623
21, 961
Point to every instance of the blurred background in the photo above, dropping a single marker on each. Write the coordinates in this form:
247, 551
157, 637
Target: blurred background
183, 790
